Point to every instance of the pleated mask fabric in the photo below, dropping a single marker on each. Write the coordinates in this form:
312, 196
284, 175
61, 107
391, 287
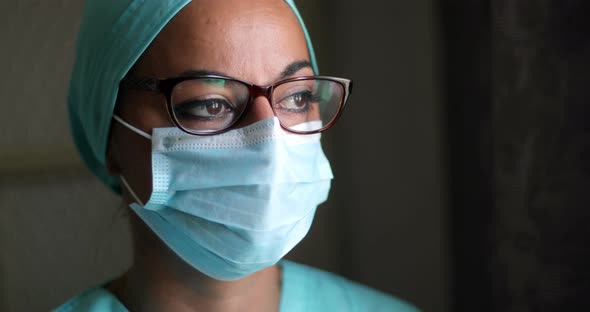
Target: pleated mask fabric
113, 35
255, 198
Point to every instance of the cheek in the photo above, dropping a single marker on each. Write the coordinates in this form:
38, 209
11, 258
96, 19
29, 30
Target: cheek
145, 111
133, 154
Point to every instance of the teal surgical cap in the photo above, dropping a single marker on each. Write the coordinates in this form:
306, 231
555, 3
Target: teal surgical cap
113, 35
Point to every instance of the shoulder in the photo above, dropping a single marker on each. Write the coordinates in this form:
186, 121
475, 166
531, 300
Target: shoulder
93, 300
325, 291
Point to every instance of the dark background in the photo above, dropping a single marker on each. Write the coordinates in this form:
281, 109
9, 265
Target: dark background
516, 77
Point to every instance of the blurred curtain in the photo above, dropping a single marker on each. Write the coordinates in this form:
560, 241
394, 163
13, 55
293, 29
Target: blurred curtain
518, 74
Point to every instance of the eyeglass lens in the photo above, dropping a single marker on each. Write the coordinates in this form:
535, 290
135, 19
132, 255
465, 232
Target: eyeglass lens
212, 104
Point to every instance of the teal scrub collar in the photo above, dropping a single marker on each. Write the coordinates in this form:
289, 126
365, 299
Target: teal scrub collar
113, 35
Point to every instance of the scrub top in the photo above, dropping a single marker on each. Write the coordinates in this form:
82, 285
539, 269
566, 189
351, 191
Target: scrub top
303, 289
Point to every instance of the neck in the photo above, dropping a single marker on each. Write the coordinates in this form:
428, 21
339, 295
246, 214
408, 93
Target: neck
160, 281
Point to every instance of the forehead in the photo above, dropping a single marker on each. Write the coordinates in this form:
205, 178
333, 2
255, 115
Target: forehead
252, 40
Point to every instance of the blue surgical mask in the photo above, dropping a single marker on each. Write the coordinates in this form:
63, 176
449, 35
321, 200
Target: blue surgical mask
235, 203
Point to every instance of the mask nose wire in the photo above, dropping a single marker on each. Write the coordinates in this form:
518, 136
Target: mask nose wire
132, 128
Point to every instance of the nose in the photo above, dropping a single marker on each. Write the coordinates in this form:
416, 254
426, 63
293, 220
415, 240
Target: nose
259, 109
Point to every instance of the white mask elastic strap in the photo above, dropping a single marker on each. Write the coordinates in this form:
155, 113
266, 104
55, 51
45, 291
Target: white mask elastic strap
132, 128
131, 191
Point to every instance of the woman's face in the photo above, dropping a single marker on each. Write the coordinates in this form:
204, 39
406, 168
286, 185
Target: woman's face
255, 41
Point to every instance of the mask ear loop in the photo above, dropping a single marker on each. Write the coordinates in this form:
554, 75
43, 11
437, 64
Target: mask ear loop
143, 134
131, 191
132, 128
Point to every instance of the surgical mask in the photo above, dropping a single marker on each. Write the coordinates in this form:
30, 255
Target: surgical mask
234, 203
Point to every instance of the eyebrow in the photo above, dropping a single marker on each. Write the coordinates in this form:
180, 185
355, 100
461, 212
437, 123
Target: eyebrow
289, 71
202, 72
294, 68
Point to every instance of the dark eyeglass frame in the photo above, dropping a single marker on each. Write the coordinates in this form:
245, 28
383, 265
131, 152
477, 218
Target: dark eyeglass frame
166, 86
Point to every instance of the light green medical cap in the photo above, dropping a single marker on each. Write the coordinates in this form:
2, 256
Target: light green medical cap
113, 35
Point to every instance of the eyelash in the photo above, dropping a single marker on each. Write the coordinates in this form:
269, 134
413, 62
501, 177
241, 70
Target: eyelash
187, 105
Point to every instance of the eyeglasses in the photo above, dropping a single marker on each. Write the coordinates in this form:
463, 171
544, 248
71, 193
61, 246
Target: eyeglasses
210, 104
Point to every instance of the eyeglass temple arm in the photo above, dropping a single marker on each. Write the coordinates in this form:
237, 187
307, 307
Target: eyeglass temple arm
348, 88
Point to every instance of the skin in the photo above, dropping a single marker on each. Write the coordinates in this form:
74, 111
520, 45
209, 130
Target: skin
252, 40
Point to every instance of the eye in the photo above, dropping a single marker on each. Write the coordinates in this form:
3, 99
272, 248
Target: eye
296, 102
204, 109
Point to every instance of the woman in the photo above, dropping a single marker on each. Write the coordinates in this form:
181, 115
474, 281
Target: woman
223, 175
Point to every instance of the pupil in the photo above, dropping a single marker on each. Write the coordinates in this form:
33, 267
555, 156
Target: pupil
299, 100
214, 108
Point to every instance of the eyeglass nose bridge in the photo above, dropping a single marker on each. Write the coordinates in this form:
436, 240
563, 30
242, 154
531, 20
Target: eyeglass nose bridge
254, 92
258, 91
265, 91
